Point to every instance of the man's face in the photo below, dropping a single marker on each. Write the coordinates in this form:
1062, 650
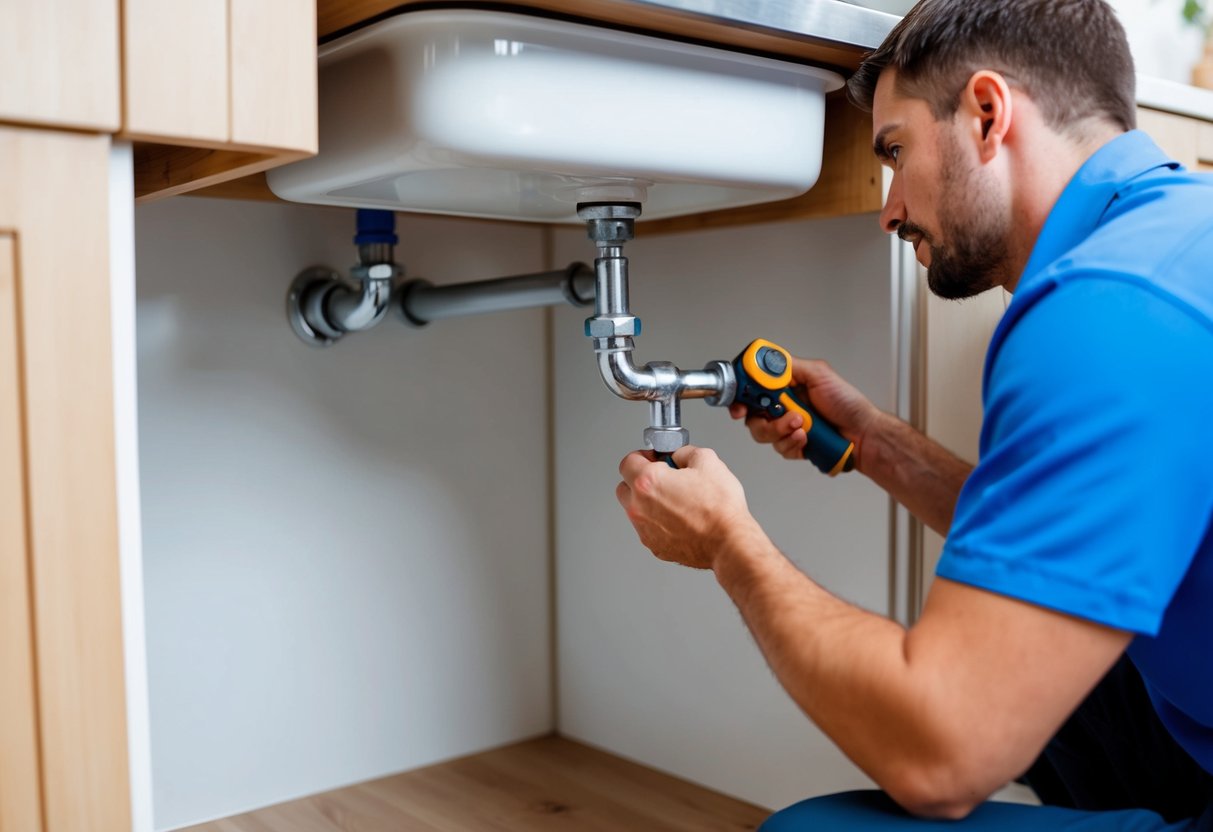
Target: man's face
941, 200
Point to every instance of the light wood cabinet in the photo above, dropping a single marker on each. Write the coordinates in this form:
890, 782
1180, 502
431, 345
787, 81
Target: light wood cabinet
1187, 140
217, 90
1204, 147
21, 806
176, 79
59, 63
273, 74
63, 740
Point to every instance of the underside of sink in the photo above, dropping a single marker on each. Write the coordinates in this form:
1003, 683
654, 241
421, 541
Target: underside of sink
507, 116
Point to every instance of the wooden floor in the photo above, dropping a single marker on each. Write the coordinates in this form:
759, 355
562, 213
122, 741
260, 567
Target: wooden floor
545, 784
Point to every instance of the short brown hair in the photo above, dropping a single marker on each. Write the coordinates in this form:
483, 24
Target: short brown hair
1070, 56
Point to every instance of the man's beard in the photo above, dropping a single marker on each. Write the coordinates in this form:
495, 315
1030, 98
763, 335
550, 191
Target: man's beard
977, 254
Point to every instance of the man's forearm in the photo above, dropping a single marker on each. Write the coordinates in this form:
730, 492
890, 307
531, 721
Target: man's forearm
844, 667
918, 472
847, 669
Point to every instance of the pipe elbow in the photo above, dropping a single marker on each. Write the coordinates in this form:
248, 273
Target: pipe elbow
356, 310
623, 378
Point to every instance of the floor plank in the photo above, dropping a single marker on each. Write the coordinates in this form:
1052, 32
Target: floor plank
545, 784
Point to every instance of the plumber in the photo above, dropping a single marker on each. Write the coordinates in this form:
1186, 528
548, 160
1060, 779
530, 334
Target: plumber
1068, 637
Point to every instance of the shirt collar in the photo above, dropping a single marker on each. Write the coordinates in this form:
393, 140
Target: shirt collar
1083, 203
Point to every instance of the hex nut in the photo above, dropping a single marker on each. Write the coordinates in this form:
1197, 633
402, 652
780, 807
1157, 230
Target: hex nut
666, 440
610, 231
612, 326
377, 271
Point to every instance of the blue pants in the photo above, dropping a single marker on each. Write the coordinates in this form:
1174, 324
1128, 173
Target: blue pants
1112, 766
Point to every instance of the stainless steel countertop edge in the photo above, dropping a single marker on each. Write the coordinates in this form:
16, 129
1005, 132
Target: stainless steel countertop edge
831, 21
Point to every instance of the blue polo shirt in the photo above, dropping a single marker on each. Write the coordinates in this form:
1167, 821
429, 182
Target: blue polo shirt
1094, 493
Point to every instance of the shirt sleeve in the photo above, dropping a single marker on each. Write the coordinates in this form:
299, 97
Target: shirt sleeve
1095, 485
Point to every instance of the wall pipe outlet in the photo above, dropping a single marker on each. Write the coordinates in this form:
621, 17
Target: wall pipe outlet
322, 306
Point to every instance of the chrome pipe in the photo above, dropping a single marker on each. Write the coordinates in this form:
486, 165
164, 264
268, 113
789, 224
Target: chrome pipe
623, 377
665, 414
347, 310
422, 302
613, 329
702, 384
611, 279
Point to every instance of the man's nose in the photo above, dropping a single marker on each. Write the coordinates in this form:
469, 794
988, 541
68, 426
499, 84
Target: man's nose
894, 212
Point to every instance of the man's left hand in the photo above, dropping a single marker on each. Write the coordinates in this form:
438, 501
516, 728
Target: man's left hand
683, 515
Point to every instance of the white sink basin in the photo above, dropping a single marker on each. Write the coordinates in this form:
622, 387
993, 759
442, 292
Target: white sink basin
508, 116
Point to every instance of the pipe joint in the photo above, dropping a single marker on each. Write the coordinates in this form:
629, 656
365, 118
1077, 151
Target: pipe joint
322, 306
602, 327
613, 328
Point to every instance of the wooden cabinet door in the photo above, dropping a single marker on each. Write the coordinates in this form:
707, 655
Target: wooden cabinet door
63, 657
1187, 140
20, 783
274, 98
175, 71
1204, 147
59, 63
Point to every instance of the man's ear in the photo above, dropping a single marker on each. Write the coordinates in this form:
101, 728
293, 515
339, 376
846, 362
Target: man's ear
986, 111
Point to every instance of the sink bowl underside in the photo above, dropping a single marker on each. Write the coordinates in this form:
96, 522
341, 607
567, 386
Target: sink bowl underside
501, 115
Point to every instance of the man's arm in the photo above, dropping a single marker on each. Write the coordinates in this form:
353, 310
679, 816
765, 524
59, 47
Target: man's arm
918, 472
939, 715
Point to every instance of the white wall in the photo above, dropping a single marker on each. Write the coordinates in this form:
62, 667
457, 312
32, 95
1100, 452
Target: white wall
654, 662
345, 550
1163, 45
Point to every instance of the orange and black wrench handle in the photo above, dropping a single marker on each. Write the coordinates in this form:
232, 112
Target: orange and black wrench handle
764, 379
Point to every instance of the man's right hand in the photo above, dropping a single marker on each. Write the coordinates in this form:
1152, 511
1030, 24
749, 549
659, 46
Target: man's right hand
830, 395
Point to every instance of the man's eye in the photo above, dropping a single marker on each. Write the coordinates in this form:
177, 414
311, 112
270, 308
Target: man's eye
894, 152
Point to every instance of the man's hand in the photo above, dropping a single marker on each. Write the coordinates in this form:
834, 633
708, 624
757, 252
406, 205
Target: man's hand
833, 398
918, 472
684, 515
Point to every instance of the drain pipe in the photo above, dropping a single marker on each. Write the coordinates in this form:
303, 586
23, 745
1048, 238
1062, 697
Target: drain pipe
422, 301
613, 328
323, 307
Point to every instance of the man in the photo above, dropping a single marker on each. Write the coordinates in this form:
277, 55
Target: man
1080, 548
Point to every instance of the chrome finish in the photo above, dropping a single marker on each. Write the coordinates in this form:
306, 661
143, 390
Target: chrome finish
371, 253
421, 302
827, 21
611, 270
362, 308
707, 383
621, 375
304, 302
609, 224
322, 306
613, 328
728, 388
908, 556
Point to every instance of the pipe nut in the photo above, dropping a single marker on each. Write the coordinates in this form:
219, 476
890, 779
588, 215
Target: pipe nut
610, 232
728, 384
608, 210
666, 440
377, 271
612, 326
